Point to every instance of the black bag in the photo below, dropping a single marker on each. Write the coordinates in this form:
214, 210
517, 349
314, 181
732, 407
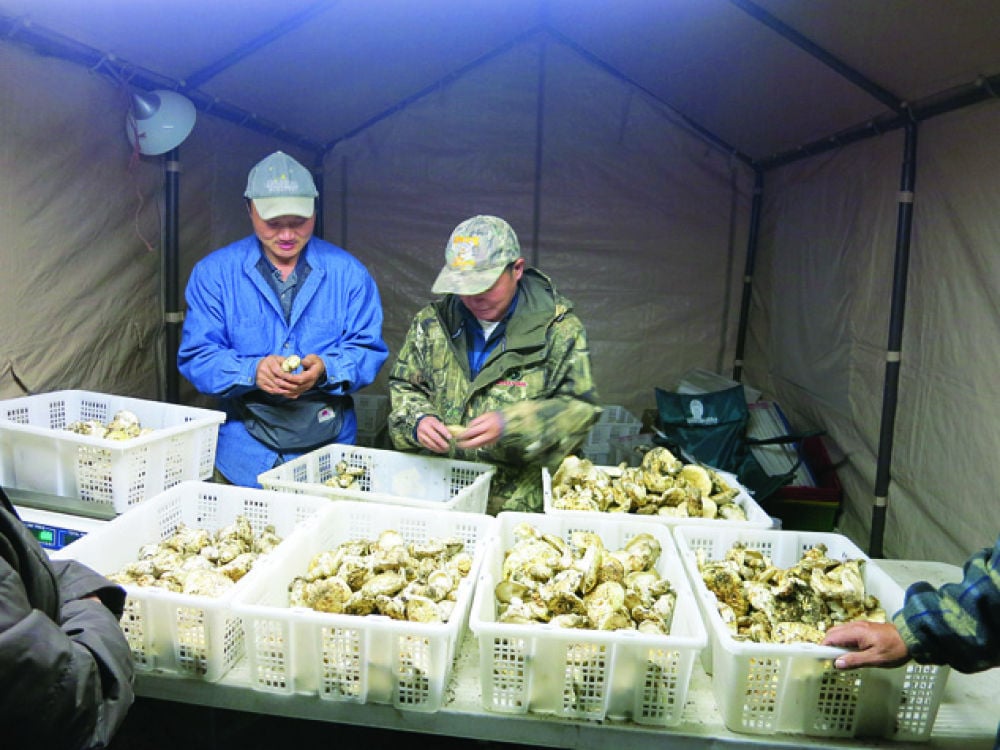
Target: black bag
295, 425
710, 428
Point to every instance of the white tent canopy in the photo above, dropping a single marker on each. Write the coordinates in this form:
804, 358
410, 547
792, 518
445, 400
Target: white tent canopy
622, 140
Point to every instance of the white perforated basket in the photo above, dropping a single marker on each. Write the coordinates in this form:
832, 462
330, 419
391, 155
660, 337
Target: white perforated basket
350, 658
38, 453
193, 636
615, 421
756, 517
768, 688
585, 674
389, 477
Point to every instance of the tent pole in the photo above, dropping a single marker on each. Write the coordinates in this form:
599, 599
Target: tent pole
173, 317
536, 218
741, 335
904, 222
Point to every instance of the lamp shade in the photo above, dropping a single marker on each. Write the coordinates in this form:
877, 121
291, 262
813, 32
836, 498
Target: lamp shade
160, 120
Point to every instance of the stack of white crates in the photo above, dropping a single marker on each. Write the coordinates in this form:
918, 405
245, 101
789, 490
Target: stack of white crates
616, 421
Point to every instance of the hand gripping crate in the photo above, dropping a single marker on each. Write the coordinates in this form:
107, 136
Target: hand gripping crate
193, 636
756, 517
389, 477
769, 688
352, 658
585, 674
38, 453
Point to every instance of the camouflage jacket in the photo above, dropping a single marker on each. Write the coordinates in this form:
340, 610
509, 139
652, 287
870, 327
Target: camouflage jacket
538, 376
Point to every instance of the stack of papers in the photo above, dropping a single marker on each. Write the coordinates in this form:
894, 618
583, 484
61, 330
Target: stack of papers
767, 421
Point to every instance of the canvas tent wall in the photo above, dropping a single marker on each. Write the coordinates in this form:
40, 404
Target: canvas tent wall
639, 219
819, 330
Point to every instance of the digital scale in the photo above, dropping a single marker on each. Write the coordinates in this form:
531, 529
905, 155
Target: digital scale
57, 521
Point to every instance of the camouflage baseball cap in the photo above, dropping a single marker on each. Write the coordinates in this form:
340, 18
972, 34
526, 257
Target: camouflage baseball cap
478, 251
280, 186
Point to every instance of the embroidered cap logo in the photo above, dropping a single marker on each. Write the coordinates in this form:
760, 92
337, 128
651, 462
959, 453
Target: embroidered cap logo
282, 185
465, 252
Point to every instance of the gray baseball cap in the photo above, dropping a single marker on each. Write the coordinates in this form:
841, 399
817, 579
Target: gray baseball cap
478, 251
280, 186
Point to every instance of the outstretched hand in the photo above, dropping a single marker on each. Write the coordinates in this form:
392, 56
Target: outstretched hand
873, 644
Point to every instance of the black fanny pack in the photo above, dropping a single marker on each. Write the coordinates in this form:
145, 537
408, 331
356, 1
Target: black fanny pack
301, 424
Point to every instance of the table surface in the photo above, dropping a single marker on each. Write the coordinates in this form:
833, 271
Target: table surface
967, 717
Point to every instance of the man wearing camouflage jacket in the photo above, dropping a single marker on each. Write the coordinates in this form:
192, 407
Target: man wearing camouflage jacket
497, 370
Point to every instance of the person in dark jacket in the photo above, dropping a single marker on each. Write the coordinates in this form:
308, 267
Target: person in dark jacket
66, 669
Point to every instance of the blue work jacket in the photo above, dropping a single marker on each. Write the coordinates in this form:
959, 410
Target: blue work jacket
234, 319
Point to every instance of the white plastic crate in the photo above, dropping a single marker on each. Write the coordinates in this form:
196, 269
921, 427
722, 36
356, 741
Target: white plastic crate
350, 658
372, 412
767, 688
629, 449
38, 453
585, 674
194, 636
615, 421
597, 454
389, 477
756, 516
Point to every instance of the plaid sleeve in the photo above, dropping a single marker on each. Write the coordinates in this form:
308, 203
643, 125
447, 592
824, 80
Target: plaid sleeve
957, 624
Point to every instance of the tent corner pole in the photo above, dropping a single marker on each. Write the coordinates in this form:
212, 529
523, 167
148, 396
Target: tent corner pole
173, 317
741, 334
904, 225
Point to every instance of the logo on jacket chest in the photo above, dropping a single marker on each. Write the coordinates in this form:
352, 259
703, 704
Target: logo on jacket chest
512, 380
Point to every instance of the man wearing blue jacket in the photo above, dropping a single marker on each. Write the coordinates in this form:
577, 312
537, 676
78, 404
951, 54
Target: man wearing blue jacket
281, 327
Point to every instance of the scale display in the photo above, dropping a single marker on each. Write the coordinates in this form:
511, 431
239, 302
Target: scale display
55, 530
53, 537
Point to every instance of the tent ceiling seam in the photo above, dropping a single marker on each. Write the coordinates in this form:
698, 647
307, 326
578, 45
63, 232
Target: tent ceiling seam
227, 61
23, 32
801, 41
122, 72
